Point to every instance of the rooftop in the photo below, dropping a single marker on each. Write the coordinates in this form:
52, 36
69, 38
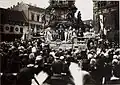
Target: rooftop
38, 9
11, 15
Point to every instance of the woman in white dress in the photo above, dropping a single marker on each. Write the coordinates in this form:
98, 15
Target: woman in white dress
66, 35
70, 33
48, 35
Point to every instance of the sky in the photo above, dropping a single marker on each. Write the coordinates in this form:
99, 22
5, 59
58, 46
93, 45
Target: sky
85, 6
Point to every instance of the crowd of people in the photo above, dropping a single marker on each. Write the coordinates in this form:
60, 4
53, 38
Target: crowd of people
100, 60
64, 33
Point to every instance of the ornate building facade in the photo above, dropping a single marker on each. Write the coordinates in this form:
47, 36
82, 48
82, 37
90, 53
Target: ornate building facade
34, 16
106, 19
11, 26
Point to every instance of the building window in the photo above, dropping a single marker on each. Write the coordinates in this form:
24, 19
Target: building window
38, 17
32, 16
103, 3
53, 2
99, 4
60, 2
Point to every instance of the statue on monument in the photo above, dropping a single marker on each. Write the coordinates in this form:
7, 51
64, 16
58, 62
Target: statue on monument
80, 23
79, 15
71, 17
52, 14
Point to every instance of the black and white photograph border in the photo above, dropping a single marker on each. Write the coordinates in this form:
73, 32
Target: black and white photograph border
59, 42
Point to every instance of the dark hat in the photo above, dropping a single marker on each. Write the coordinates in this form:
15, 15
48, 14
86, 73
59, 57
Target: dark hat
1, 50
92, 51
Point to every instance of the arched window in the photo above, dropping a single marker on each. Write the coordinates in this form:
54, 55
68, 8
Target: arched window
32, 16
38, 17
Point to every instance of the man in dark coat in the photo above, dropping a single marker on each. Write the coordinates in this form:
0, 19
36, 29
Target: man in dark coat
61, 74
26, 74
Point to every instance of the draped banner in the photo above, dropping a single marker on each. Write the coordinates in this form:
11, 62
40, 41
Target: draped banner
102, 25
101, 22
